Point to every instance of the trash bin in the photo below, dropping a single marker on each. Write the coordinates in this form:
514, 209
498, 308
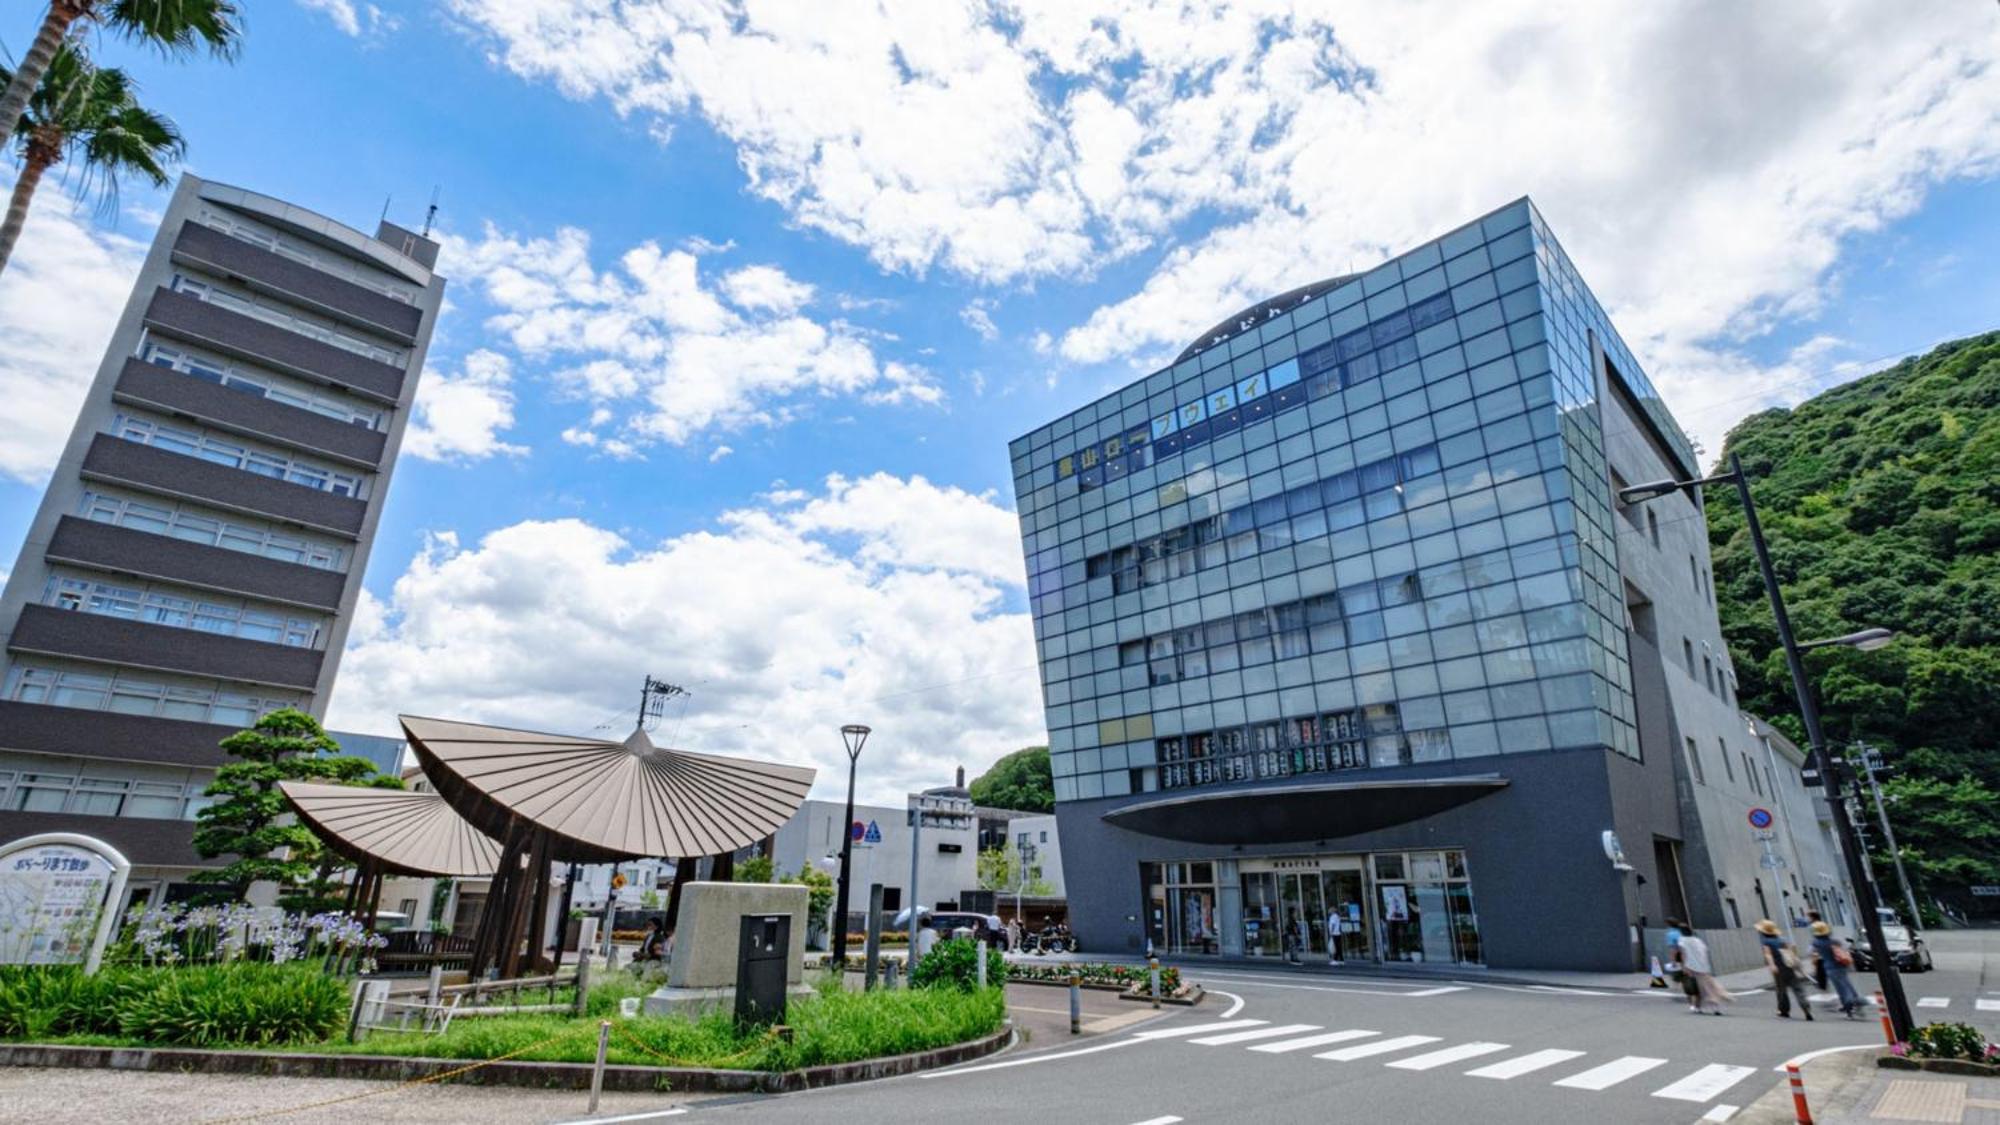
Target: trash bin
763, 948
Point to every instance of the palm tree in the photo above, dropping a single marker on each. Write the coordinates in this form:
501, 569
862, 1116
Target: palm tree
175, 27
91, 113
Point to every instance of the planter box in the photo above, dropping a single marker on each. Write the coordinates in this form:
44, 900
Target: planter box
1964, 1068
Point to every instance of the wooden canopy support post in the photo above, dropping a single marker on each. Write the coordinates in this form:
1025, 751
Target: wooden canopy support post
683, 875
486, 939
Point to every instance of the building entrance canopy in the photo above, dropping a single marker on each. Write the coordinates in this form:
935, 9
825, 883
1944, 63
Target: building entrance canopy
603, 801
1290, 814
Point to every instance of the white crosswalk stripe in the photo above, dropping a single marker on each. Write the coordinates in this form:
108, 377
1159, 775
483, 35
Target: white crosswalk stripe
1228, 1037
1934, 1002
1282, 1047
1719, 1113
1448, 1056
1987, 1005
1705, 1084
1524, 1064
1611, 1073
1199, 1028
1379, 1047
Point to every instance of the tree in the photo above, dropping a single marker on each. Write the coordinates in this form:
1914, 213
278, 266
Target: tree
756, 869
1019, 781
1000, 870
819, 892
89, 112
249, 818
174, 27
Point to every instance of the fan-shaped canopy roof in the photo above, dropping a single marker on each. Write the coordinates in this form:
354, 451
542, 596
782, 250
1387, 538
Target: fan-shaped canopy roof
603, 800
402, 832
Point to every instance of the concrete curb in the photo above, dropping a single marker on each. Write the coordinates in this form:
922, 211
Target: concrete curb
545, 1075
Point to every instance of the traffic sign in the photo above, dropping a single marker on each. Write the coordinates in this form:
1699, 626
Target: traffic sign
873, 835
856, 831
1761, 818
618, 881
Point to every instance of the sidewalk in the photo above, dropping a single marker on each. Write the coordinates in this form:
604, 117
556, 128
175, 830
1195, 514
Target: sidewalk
1849, 1089
1748, 981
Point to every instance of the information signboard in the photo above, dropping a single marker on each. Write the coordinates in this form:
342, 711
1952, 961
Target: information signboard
58, 892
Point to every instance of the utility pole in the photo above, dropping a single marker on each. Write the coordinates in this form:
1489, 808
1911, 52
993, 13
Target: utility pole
1870, 762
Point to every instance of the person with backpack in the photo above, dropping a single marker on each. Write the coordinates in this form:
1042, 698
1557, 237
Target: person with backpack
1783, 962
1835, 960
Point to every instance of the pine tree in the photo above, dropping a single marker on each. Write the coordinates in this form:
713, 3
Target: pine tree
249, 818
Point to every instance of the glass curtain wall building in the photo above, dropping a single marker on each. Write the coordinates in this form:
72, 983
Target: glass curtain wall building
1334, 640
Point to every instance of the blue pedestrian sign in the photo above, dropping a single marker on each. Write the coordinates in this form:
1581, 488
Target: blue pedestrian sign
1761, 818
873, 835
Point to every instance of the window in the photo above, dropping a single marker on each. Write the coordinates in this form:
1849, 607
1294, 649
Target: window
206, 446
1687, 654
1750, 773
1653, 525
234, 619
1708, 671
124, 512
140, 696
228, 375
257, 308
1723, 745
1694, 574
1045, 836
1694, 763
256, 234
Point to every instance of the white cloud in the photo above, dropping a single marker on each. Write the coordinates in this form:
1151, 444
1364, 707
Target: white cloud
978, 316
673, 353
60, 297
459, 417
786, 621
1703, 162
358, 20
718, 453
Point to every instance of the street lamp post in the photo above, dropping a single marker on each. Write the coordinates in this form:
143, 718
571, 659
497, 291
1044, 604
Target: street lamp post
1869, 764
1829, 766
854, 735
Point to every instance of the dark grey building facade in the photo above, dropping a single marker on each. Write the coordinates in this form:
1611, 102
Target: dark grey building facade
1348, 649
196, 560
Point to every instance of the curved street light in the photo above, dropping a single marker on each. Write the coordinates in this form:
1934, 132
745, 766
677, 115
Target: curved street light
854, 736
1866, 640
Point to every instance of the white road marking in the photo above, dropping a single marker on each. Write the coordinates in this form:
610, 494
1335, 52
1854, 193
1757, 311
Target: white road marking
1111, 1046
1611, 1073
1254, 1033
1449, 1055
1719, 1113
1379, 1047
627, 1117
1233, 1008
1198, 1028
1801, 1060
1560, 991
1708, 1082
1159, 1121
1274, 980
1934, 1002
1336, 988
1987, 1005
1312, 1041
1439, 991
1516, 1067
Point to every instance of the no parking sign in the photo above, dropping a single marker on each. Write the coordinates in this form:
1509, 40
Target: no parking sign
1761, 818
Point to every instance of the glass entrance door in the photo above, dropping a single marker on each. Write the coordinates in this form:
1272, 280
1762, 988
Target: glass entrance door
1261, 928
1348, 930
1305, 911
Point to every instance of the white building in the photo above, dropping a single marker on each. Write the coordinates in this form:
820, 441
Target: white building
1036, 838
949, 864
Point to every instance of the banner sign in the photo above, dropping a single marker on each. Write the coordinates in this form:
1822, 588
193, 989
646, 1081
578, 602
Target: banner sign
57, 895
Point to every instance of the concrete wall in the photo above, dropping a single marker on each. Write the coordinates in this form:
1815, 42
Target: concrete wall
814, 832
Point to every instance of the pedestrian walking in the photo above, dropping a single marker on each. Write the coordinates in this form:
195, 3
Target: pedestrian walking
1834, 960
1333, 936
1819, 966
1783, 962
1677, 931
1700, 968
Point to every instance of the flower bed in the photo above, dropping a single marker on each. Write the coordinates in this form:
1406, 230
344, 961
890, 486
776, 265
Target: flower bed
1099, 974
1950, 1048
247, 1002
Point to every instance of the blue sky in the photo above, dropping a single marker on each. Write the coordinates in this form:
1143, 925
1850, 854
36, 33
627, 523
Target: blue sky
765, 454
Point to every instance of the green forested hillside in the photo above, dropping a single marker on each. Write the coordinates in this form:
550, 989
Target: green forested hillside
1881, 502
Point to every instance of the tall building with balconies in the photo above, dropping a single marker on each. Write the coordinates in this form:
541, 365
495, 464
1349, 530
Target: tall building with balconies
196, 560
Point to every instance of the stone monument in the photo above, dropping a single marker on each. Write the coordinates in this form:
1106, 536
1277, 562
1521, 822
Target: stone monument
701, 972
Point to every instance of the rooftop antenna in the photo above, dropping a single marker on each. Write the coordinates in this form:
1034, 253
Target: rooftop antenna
385, 209
653, 701
432, 214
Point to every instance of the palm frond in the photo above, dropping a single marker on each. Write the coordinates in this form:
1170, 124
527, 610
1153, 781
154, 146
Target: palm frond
179, 27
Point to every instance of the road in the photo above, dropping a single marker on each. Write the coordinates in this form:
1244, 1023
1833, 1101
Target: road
1281, 1046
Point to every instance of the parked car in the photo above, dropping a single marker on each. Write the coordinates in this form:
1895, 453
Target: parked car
981, 927
1908, 949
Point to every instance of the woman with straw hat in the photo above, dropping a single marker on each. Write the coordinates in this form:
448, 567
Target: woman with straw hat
1783, 961
1835, 960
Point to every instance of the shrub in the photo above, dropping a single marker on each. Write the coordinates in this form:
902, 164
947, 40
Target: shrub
1098, 972
254, 1004
37, 1001
955, 962
1948, 1041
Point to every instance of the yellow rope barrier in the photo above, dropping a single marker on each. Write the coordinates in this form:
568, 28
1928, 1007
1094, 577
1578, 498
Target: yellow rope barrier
713, 1064
438, 1077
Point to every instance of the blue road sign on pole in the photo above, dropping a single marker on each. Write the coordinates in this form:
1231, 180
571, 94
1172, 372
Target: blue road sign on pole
1761, 818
